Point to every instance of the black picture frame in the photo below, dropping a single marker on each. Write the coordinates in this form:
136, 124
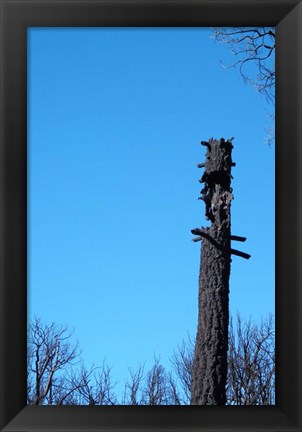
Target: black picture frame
16, 17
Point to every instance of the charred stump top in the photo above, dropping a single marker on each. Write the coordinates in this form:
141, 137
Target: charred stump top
219, 156
217, 193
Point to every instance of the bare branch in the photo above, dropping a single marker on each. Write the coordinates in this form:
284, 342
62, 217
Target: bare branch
255, 46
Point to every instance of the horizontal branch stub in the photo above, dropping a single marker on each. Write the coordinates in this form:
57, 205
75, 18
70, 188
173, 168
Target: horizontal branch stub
233, 164
200, 232
201, 165
238, 238
197, 239
241, 254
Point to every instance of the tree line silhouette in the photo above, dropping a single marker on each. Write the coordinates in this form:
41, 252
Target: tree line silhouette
56, 374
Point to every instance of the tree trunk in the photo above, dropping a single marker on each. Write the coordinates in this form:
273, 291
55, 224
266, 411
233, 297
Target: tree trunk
210, 358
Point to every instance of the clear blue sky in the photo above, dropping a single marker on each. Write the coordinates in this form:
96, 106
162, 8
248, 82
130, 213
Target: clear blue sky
115, 120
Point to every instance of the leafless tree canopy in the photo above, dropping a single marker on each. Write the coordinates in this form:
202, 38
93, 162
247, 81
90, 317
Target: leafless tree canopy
251, 363
254, 50
251, 371
49, 354
155, 386
57, 376
182, 363
94, 386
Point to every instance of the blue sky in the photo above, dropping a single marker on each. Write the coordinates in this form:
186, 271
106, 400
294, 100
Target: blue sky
115, 120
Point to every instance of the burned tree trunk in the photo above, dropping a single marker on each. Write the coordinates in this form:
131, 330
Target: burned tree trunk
210, 359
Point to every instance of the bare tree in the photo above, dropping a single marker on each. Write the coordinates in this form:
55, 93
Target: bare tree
58, 377
155, 390
154, 387
94, 386
49, 353
251, 358
182, 363
53, 379
132, 391
251, 363
254, 50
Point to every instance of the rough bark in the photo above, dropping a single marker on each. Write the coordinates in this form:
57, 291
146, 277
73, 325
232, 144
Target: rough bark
210, 358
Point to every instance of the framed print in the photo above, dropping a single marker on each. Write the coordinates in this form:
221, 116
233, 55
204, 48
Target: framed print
24, 24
